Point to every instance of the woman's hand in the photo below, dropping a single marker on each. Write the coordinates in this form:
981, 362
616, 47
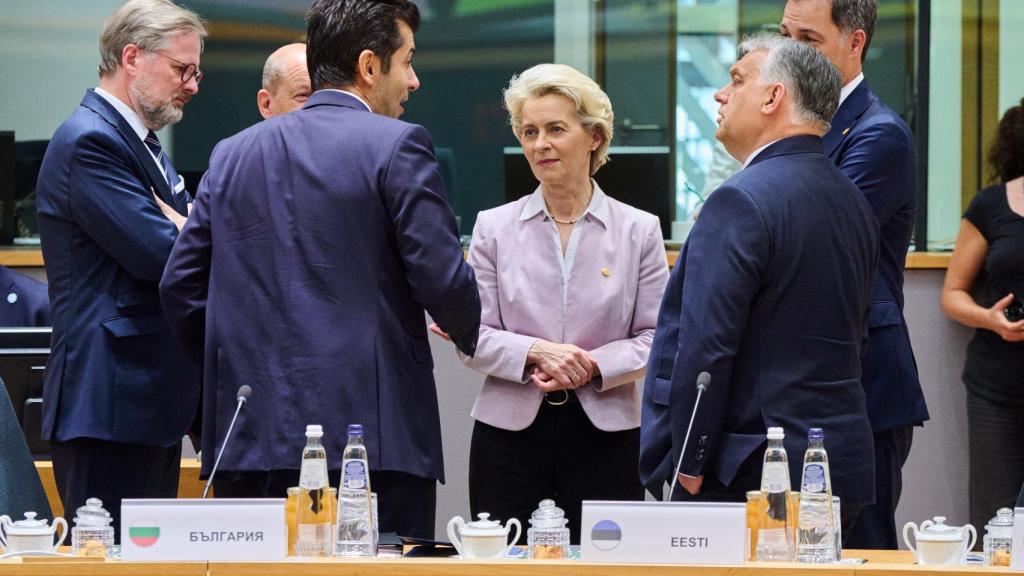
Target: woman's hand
566, 365
997, 322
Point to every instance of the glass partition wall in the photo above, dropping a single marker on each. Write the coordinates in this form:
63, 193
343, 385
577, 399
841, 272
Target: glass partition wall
946, 66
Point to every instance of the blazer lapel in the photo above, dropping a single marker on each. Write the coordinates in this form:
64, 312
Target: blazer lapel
96, 103
847, 116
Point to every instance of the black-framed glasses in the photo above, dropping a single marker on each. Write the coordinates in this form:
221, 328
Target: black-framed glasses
188, 71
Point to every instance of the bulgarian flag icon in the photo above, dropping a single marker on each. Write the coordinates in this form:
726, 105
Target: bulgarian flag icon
144, 533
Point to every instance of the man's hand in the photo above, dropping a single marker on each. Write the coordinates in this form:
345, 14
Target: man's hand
438, 331
177, 219
690, 483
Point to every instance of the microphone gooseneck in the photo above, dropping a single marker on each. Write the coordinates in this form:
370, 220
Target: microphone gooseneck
244, 392
703, 381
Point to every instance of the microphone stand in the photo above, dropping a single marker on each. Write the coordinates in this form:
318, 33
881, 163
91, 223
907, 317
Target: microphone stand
702, 384
243, 395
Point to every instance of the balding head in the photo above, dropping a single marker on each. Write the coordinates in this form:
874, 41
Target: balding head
285, 81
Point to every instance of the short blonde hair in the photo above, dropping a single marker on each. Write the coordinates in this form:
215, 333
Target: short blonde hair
593, 108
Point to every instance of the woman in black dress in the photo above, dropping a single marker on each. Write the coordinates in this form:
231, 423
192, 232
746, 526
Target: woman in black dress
990, 252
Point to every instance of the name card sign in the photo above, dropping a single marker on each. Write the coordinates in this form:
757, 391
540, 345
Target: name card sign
196, 529
663, 532
1017, 555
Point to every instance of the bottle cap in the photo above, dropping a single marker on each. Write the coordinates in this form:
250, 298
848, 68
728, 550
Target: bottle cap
815, 434
314, 431
355, 429
776, 433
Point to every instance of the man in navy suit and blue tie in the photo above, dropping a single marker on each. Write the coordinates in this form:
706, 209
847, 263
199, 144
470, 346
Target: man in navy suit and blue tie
118, 393
875, 148
769, 295
318, 239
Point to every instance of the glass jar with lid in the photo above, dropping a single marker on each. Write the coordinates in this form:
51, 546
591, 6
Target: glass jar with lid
548, 536
92, 535
998, 541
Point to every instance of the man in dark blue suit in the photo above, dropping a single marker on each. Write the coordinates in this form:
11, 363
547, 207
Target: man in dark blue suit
875, 148
23, 300
318, 239
770, 293
118, 394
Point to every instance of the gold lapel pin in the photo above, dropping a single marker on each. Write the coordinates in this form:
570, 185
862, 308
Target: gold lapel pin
845, 131
606, 272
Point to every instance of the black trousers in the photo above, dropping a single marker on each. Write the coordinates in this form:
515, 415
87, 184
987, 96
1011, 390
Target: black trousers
406, 504
747, 478
876, 526
86, 468
561, 456
996, 440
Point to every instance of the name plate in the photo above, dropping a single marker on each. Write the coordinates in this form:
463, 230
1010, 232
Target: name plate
196, 529
663, 532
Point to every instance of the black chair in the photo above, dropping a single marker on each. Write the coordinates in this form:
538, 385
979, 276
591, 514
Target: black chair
20, 488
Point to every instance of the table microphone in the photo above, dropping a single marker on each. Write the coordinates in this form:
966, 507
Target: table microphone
703, 380
243, 394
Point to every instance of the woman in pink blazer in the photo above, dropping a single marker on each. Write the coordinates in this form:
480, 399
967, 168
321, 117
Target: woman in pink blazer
570, 283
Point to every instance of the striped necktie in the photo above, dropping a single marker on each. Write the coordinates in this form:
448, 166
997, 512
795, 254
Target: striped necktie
153, 143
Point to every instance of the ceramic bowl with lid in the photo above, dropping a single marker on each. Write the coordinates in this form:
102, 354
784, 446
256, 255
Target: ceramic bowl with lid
939, 543
30, 534
483, 538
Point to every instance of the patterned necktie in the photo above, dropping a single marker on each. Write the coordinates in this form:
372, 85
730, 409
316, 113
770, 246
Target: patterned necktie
153, 143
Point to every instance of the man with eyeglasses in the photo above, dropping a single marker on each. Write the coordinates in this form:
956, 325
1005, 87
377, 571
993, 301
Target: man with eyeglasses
118, 392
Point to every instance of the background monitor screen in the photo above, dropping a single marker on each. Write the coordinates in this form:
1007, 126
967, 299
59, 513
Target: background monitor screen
636, 175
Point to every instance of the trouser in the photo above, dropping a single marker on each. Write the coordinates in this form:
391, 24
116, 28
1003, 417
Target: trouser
561, 456
406, 504
996, 441
86, 468
876, 526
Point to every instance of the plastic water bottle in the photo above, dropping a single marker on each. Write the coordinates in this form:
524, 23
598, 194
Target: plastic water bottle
356, 533
816, 532
314, 514
774, 537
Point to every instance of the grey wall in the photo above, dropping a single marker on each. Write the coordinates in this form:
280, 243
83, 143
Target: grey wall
935, 477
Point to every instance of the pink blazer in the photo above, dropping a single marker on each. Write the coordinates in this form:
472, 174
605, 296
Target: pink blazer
613, 294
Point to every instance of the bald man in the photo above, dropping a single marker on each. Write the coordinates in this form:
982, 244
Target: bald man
285, 81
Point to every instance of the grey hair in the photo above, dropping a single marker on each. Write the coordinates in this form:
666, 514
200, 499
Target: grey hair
850, 15
149, 24
812, 80
593, 107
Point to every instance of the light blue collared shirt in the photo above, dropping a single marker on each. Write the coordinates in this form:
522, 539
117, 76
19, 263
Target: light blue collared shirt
133, 120
596, 214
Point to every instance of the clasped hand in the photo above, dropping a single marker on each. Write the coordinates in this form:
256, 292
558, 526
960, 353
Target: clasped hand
560, 366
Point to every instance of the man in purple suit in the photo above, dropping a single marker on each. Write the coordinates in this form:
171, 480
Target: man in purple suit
317, 241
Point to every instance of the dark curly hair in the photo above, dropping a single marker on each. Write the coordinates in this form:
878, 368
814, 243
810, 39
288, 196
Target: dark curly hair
1006, 155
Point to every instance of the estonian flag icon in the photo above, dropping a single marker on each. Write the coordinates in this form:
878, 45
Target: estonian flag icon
606, 535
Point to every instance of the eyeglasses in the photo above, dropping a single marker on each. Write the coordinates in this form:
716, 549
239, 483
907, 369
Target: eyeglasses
188, 71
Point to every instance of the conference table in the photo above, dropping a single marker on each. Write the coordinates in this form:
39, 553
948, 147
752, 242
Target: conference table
880, 563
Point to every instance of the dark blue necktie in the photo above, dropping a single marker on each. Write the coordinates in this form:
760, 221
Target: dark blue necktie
153, 143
